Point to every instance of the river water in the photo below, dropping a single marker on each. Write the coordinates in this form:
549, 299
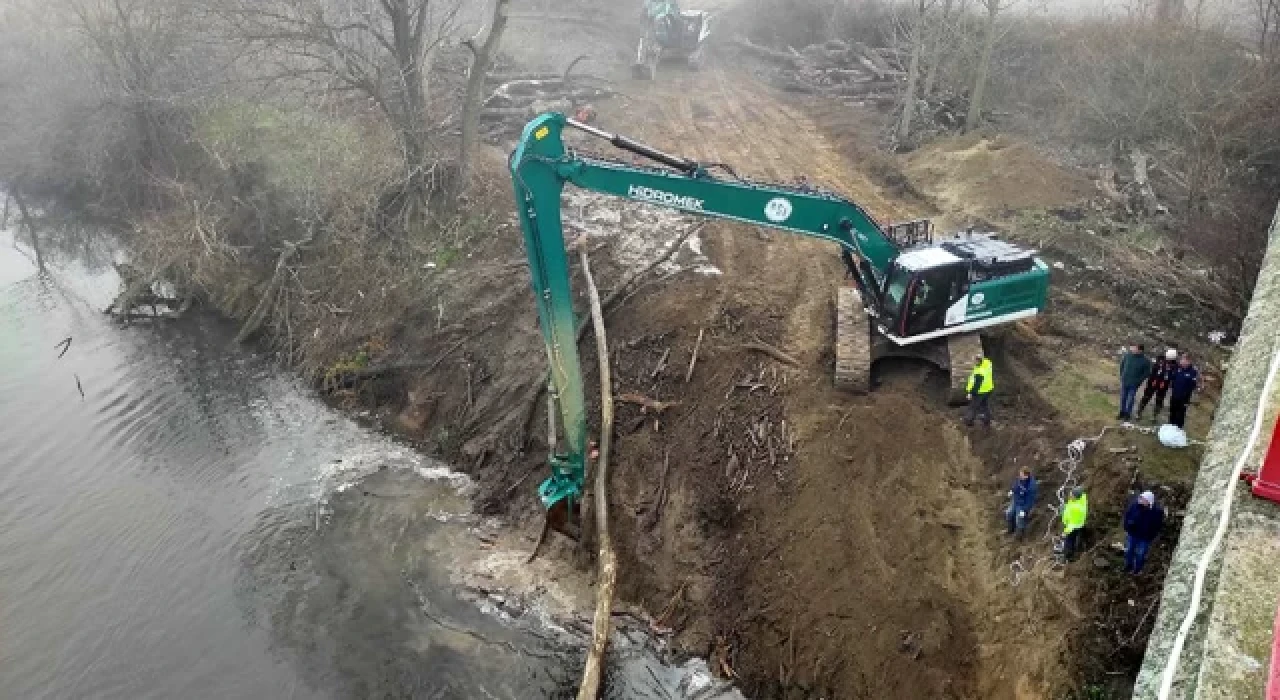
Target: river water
180, 519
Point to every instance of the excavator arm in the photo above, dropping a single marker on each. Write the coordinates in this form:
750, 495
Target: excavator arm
541, 166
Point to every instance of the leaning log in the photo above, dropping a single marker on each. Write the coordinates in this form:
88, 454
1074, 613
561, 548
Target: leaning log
607, 579
259, 313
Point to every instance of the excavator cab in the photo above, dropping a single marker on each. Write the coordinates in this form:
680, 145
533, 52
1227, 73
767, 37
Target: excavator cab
924, 292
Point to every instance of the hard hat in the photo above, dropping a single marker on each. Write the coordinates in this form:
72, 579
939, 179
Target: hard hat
1077, 492
1171, 354
1149, 497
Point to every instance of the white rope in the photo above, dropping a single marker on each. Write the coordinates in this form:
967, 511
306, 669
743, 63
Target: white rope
1224, 519
1068, 466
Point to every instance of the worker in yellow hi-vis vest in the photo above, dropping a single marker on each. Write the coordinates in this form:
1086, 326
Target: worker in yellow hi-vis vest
981, 384
1074, 514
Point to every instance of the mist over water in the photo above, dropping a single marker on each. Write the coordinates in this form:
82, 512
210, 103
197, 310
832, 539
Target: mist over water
132, 520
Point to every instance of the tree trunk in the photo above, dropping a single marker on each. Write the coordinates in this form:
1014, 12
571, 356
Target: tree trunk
31, 230
913, 72
974, 119
935, 51
607, 579
480, 65
409, 42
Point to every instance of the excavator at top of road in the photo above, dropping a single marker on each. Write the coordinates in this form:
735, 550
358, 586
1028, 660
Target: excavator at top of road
670, 33
912, 295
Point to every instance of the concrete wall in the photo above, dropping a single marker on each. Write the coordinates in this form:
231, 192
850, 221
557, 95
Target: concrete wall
1220, 658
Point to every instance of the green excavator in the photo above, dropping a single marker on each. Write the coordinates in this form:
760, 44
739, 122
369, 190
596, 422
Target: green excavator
911, 295
670, 34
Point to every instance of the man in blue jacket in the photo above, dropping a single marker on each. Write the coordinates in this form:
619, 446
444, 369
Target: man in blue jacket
1186, 379
1023, 494
1142, 523
1134, 369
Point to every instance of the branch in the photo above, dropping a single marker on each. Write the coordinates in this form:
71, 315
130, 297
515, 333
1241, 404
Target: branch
773, 352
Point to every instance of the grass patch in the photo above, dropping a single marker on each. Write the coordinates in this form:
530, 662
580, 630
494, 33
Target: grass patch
1083, 389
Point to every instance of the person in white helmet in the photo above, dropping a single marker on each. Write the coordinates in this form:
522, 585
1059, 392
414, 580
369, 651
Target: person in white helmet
1158, 383
1143, 521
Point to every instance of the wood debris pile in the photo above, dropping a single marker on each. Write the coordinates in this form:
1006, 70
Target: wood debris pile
835, 68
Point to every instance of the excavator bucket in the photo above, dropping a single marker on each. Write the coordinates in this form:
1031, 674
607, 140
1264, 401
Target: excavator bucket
565, 517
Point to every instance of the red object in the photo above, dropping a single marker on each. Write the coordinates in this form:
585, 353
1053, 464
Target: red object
1273, 674
1266, 484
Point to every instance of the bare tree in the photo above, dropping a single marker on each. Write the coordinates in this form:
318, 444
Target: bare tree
991, 33
482, 61
937, 33
380, 49
139, 55
915, 32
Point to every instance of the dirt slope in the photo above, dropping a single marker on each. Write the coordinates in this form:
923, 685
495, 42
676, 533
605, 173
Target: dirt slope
992, 176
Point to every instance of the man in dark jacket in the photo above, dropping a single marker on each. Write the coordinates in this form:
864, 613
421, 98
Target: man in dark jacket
1183, 384
1142, 523
1134, 370
1158, 383
1023, 494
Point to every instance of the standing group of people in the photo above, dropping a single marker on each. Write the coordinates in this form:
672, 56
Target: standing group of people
1143, 519
1172, 375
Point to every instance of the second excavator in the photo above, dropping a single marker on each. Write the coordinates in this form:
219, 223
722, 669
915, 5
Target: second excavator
913, 294
670, 34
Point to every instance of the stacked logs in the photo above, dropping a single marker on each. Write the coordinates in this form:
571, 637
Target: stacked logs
834, 68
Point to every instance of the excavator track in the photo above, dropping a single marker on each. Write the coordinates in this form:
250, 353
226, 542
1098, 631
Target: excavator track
853, 342
962, 349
